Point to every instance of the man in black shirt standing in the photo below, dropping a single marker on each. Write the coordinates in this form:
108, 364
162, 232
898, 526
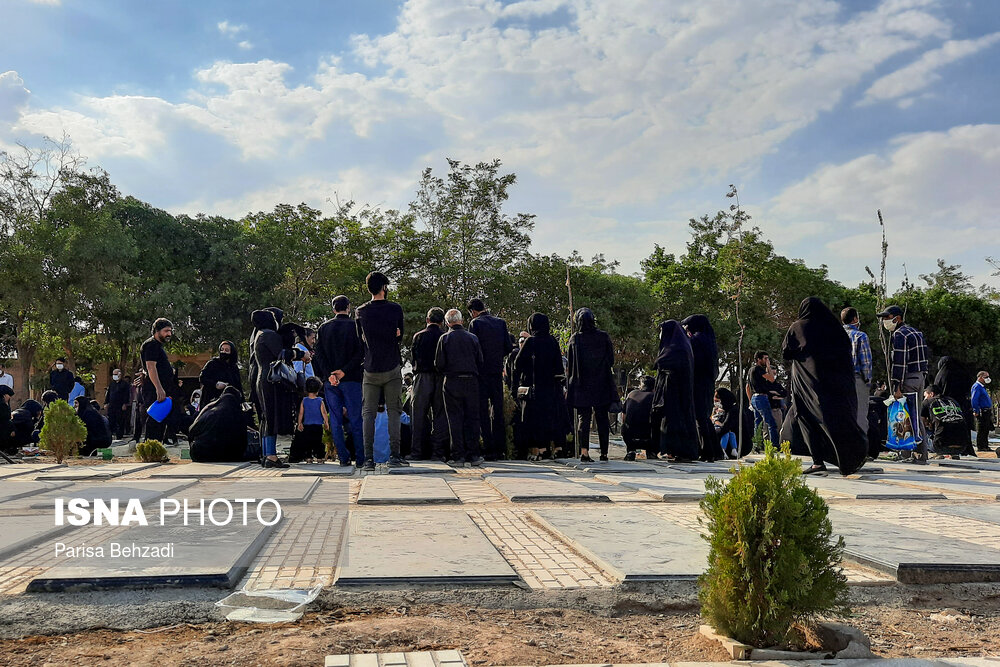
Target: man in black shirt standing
460, 360
496, 344
426, 400
380, 327
762, 382
160, 381
61, 379
338, 359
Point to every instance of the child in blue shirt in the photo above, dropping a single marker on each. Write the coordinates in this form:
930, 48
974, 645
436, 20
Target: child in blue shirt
313, 419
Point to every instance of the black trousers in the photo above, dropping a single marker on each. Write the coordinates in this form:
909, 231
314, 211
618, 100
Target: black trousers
491, 419
429, 422
461, 405
116, 420
583, 418
158, 430
984, 424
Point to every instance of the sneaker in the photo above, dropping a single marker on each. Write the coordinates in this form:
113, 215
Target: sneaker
369, 466
604, 457
396, 462
476, 462
457, 463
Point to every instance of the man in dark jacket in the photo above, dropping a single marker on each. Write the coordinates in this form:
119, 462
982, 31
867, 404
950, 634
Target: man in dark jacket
459, 359
98, 433
338, 363
116, 400
427, 403
61, 379
496, 344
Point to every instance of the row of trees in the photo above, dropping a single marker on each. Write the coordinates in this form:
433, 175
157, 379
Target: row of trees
85, 269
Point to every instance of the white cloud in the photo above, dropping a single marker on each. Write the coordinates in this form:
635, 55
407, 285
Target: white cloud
51, 3
245, 45
13, 95
935, 189
923, 72
229, 29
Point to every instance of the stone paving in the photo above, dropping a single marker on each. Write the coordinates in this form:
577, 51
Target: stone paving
306, 548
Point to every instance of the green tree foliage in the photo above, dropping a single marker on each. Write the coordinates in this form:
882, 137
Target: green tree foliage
63, 431
773, 559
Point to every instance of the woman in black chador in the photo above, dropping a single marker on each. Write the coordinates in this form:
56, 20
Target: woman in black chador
537, 385
824, 402
706, 370
274, 401
220, 369
673, 396
591, 382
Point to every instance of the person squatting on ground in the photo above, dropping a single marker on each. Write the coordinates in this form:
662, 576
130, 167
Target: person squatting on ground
944, 423
380, 328
591, 387
430, 424
459, 360
638, 430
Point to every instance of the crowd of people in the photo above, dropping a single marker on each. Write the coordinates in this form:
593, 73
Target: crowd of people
346, 380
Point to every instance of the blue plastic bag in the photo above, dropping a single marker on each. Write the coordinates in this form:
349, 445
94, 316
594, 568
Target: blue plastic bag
901, 429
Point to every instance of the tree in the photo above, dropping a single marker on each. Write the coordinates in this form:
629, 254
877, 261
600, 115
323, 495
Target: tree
950, 278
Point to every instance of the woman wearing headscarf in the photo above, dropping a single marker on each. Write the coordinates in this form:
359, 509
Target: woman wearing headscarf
537, 384
706, 370
274, 401
220, 372
219, 432
736, 430
954, 380
24, 423
824, 403
98, 431
673, 395
591, 383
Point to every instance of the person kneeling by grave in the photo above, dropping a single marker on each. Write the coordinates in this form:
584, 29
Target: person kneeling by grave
219, 432
98, 431
945, 421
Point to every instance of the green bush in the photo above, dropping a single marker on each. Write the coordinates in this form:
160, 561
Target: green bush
151, 451
773, 559
63, 431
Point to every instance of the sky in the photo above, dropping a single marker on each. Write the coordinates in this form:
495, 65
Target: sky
621, 119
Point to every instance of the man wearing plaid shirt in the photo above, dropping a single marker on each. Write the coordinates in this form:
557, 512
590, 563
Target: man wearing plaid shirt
861, 350
909, 366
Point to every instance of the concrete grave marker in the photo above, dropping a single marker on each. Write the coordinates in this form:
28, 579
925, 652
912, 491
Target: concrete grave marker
106, 471
660, 487
320, 469
423, 468
16, 469
199, 470
417, 490
18, 533
13, 490
145, 490
542, 487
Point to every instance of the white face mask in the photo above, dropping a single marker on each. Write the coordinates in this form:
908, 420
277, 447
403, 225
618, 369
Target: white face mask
718, 404
117, 377
987, 380
59, 367
890, 325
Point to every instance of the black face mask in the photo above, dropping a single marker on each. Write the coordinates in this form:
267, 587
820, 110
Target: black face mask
225, 356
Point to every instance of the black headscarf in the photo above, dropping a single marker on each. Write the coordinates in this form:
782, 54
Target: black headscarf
726, 398
234, 356
702, 336
817, 333
278, 313
953, 378
585, 320
264, 320
538, 324
675, 349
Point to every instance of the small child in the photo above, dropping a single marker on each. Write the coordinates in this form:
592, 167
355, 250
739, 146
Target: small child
313, 418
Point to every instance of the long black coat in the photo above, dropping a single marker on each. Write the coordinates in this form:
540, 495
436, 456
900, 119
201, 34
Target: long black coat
98, 432
275, 403
673, 395
591, 381
824, 402
706, 370
538, 365
219, 370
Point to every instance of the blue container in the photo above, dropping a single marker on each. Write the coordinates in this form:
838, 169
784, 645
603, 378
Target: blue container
159, 411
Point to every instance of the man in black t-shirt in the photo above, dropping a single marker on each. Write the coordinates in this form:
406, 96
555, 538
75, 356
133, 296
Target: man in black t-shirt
160, 378
380, 327
762, 383
944, 420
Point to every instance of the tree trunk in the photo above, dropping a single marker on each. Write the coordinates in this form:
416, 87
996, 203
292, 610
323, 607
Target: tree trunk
25, 358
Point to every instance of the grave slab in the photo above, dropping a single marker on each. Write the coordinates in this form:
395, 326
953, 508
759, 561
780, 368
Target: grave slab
660, 487
202, 556
990, 513
608, 467
444, 547
106, 471
418, 490
979, 486
320, 469
423, 468
865, 490
448, 658
20, 532
982, 465
14, 490
912, 468
15, 469
286, 490
199, 470
914, 556
696, 467
541, 488
515, 468
633, 545
145, 490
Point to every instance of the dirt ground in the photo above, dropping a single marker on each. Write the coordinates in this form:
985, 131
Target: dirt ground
485, 637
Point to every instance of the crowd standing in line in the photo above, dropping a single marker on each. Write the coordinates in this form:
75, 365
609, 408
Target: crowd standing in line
346, 379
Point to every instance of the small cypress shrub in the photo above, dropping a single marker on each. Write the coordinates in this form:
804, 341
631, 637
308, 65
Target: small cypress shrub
63, 431
773, 559
151, 451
